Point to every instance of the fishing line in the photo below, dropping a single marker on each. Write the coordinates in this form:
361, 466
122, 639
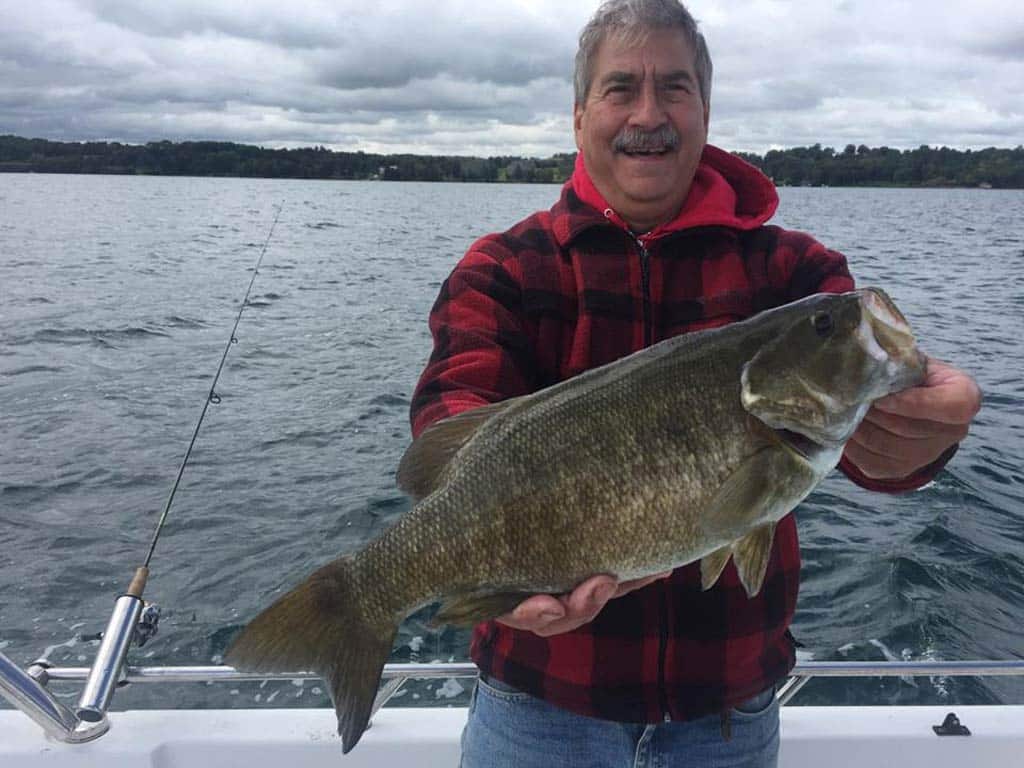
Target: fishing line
212, 397
132, 620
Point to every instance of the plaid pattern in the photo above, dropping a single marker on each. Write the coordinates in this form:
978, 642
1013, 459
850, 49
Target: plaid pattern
570, 289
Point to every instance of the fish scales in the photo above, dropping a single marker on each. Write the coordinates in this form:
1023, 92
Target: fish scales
487, 517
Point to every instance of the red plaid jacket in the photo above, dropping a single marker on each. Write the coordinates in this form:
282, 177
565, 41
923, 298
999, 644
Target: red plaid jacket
570, 289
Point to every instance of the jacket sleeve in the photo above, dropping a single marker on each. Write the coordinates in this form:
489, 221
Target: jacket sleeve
809, 268
481, 353
801, 266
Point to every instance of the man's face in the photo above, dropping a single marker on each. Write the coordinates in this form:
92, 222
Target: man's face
643, 126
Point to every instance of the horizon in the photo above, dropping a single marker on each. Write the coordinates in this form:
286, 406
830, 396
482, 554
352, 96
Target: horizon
315, 146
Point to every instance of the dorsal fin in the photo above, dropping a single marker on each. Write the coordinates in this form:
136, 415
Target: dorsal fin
426, 459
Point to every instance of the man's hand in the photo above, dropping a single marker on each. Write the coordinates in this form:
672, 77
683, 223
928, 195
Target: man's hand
547, 615
908, 430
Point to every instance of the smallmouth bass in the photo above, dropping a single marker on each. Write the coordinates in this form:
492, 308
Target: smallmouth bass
689, 450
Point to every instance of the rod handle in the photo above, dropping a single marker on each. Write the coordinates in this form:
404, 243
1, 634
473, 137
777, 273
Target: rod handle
138, 583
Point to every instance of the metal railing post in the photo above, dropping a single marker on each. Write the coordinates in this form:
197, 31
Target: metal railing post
29, 696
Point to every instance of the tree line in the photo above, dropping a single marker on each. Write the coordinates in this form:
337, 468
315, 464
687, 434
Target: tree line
882, 166
799, 166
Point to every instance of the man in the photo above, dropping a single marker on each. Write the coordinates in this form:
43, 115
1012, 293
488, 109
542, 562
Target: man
656, 234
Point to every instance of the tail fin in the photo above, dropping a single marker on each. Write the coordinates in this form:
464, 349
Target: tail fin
320, 626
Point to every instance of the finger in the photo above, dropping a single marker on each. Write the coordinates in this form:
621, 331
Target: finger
870, 464
902, 456
887, 467
957, 406
581, 605
546, 615
586, 601
567, 623
928, 437
948, 396
534, 613
559, 627
914, 429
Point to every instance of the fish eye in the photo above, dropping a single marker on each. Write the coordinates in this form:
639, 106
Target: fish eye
823, 324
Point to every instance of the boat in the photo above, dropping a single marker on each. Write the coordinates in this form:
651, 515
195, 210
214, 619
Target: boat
42, 731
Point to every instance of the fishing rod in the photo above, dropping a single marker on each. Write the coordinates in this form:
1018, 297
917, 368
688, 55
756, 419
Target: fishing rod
132, 618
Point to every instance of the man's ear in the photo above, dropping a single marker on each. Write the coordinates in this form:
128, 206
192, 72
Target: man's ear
577, 123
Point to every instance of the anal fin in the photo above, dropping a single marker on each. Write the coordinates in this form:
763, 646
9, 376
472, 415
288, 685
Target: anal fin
470, 608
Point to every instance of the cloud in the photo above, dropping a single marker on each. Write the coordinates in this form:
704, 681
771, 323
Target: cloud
461, 77
880, 73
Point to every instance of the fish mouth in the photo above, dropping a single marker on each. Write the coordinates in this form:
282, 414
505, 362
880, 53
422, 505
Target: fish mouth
882, 308
883, 358
886, 336
808, 449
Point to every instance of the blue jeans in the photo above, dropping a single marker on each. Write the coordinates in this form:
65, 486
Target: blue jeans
511, 729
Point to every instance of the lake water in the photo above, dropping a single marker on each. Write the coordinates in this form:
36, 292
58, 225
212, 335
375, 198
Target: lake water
117, 296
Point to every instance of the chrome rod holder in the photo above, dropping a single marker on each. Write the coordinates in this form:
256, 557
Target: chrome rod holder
28, 695
106, 669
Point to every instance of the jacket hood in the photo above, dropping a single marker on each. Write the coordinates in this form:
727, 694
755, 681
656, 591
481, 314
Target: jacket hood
726, 192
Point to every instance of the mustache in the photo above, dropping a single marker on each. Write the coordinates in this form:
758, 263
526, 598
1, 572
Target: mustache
638, 140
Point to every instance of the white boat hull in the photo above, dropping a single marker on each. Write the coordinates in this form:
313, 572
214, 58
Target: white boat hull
837, 737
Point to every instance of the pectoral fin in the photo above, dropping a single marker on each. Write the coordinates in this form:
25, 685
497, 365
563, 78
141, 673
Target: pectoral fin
751, 555
741, 499
711, 566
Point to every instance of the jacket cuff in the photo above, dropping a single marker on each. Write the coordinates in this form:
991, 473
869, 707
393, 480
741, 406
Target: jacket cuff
911, 482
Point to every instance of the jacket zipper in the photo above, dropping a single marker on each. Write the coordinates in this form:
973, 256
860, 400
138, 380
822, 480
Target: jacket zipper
645, 291
648, 336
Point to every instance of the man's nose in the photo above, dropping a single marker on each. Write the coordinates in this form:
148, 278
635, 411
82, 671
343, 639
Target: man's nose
649, 112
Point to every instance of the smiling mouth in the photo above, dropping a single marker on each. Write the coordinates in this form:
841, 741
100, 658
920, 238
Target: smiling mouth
646, 152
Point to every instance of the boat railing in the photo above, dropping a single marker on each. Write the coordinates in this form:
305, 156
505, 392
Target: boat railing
27, 691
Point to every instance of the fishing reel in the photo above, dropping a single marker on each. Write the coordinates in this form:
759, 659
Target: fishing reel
145, 629
148, 624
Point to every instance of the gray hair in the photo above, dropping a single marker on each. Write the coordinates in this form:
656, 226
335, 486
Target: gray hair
632, 20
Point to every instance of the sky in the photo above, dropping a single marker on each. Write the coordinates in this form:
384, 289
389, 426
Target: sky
472, 77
